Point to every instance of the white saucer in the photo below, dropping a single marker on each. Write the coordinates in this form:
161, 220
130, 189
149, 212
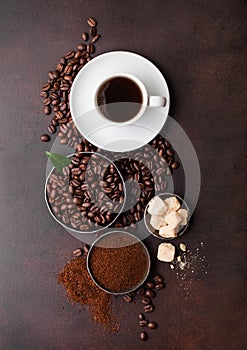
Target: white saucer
102, 133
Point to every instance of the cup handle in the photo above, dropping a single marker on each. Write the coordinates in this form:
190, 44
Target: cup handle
156, 101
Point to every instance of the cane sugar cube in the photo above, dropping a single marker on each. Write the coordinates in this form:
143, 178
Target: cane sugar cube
173, 219
168, 231
184, 215
172, 204
157, 206
156, 221
166, 252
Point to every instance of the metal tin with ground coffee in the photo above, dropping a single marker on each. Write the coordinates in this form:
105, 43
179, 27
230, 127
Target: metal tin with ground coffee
118, 262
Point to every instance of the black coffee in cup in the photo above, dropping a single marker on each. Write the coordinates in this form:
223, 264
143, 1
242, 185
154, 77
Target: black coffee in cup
119, 99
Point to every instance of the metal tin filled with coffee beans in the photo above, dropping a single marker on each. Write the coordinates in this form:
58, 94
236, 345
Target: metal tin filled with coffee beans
88, 196
118, 262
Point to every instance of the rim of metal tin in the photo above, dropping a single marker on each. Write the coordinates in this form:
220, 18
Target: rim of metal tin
138, 240
147, 215
100, 227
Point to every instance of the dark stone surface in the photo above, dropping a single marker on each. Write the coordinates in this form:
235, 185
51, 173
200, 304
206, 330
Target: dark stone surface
200, 47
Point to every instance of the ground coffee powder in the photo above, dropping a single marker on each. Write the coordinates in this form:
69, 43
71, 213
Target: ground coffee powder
81, 289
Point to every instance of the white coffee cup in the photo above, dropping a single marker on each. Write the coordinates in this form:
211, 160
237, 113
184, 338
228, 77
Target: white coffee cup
146, 100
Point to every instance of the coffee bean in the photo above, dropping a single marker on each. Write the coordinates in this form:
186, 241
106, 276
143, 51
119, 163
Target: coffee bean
150, 285
143, 323
152, 325
91, 22
170, 152
51, 129
69, 54
141, 291
86, 248
146, 301
141, 317
59, 114
175, 165
82, 47
68, 69
128, 298
95, 38
47, 110
66, 171
84, 36
90, 48
158, 278
160, 286
46, 87
168, 145
150, 293
55, 102
77, 252
77, 201
148, 308
143, 336
43, 94
45, 138
93, 31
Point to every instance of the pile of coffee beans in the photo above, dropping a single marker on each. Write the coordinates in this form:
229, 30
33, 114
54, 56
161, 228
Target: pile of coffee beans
146, 173
96, 187
55, 92
147, 293
90, 193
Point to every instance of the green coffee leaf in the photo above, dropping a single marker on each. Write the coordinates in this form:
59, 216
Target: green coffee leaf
58, 160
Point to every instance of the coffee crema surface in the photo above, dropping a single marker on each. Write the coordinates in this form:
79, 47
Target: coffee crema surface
119, 99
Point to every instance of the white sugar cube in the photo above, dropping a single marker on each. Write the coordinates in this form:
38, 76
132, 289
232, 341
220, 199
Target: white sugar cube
156, 221
166, 252
172, 204
168, 231
157, 206
173, 219
184, 215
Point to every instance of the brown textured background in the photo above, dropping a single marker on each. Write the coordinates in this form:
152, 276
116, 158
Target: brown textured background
200, 47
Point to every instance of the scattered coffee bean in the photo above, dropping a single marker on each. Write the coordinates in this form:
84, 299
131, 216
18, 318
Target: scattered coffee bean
152, 325
141, 291
128, 298
91, 22
93, 31
146, 301
148, 308
96, 38
143, 323
77, 252
160, 286
158, 279
143, 336
84, 36
150, 293
45, 138
90, 48
150, 285
141, 317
